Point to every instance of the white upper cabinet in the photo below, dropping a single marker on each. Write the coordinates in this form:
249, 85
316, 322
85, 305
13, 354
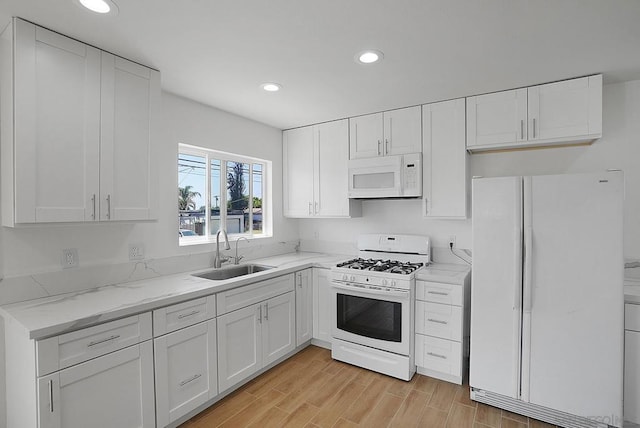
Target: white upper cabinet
393, 132
567, 112
445, 179
566, 109
79, 127
316, 171
130, 103
499, 118
299, 176
56, 115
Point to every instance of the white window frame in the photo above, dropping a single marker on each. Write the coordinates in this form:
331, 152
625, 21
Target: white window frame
224, 157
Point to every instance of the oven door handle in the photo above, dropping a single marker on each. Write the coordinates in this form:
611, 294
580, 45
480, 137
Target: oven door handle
399, 293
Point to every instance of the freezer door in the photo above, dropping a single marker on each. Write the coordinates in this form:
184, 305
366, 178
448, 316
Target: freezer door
496, 280
573, 312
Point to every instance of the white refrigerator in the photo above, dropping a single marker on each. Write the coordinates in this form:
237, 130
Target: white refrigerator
547, 299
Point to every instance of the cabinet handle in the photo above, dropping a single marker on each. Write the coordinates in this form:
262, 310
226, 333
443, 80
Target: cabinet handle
260, 316
188, 314
109, 206
437, 355
379, 142
534, 127
191, 379
439, 293
93, 202
51, 396
266, 311
108, 339
300, 280
386, 146
310, 208
316, 209
437, 321
522, 129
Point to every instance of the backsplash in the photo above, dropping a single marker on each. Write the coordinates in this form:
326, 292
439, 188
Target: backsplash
27, 287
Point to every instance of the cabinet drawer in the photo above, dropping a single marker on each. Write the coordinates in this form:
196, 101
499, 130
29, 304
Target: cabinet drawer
632, 317
174, 317
439, 292
441, 355
59, 352
241, 297
436, 319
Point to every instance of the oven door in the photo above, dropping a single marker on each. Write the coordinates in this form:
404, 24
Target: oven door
376, 318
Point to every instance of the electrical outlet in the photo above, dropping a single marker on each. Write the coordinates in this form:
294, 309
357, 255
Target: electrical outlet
452, 240
136, 252
69, 258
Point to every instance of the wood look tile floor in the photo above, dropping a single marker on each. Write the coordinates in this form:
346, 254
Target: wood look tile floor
312, 390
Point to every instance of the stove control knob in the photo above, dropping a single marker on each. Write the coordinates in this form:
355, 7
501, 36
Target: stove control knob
345, 277
384, 282
353, 278
393, 283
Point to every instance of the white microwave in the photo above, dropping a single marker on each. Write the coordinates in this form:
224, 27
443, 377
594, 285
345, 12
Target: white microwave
397, 176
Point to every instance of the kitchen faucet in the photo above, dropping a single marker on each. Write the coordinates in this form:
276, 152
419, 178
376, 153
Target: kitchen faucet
217, 262
237, 259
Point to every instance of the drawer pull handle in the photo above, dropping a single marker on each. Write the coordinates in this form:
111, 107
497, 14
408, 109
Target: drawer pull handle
439, 293
188, 314
437, 321
191, 379
437, 355
108, 339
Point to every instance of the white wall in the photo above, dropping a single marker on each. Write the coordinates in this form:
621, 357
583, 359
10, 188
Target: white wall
619, 148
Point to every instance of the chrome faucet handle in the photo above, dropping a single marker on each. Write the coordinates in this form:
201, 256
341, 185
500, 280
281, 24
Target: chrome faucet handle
238, 258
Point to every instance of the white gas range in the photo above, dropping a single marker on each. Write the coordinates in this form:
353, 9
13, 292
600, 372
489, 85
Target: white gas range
373, 299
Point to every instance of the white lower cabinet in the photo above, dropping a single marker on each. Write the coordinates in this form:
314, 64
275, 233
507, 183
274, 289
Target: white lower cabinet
304, 306
442, 329
253, 337
321, 306
632, 363
115, 390
186, 370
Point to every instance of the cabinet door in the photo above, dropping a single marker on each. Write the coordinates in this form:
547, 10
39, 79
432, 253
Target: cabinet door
495, 119
115, 390
304, 307
632, 376
57, 126
332, 182
129, 110
445, 181
365, 136
278, 327
298, 153
321, 305
239, 345
402, 131
565, 109
186, 370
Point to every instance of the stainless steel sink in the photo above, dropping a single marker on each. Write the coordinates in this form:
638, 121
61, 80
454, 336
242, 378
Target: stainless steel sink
232, 271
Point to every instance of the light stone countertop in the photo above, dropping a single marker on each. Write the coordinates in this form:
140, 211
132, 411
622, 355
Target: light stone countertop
55, 315
444, 272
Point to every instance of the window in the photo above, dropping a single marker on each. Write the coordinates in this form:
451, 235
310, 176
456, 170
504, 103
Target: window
218, 189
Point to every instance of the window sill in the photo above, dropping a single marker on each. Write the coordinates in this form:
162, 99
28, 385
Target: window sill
203, 240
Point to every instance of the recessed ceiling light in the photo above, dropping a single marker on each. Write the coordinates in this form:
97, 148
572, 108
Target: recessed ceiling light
369, 56
271, 87
100, 6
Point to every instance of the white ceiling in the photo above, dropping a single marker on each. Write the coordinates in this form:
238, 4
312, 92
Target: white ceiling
218, 52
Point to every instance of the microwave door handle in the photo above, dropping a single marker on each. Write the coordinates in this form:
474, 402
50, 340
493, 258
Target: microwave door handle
398, 293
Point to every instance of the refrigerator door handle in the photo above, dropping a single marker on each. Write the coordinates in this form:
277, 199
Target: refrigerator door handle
528, 265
